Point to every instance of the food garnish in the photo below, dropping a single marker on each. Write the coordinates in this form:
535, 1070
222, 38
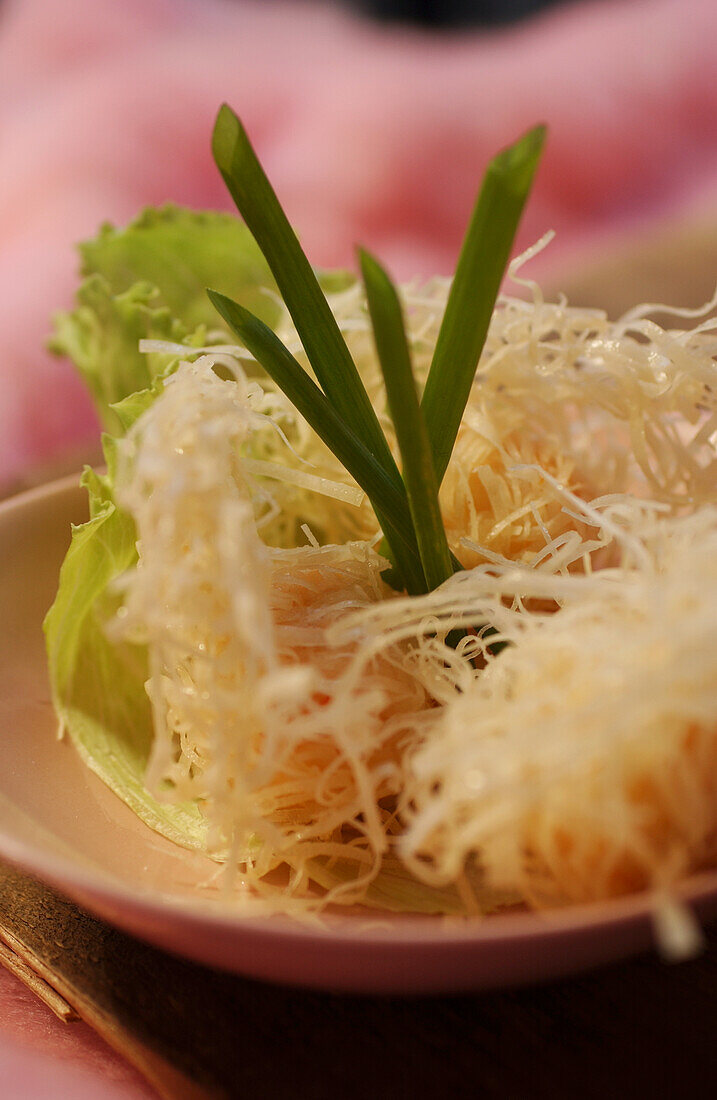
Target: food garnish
425, 435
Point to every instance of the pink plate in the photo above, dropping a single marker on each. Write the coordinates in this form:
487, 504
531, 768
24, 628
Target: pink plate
59, 822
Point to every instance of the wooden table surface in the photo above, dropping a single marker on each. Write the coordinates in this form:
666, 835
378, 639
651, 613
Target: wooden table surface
633, 1029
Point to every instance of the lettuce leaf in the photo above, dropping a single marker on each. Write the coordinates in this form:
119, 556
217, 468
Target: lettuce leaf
396, 890
97, 684
102, 337
182, 252
148, 281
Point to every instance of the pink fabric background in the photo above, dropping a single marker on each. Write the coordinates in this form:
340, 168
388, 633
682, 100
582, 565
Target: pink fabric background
44, 1059
368, 133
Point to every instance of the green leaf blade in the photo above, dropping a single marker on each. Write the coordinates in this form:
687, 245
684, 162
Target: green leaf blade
418, 471
315, 323
481, 266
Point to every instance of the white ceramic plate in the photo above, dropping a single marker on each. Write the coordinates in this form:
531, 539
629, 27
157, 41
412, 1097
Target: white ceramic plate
59, 822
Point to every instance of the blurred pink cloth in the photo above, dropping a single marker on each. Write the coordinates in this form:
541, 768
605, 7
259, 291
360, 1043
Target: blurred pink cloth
43, 1058
369, 133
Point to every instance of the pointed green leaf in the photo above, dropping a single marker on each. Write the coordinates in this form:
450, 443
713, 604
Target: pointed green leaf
481, 266
418, 472
311, 314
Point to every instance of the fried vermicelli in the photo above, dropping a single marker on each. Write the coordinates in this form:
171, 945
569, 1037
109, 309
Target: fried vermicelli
321, 720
